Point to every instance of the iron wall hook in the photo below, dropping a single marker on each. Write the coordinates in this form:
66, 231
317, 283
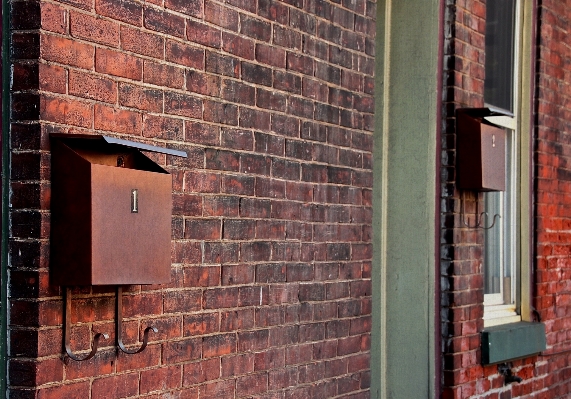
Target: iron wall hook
119, 326
505, 369
480, 218
67, 332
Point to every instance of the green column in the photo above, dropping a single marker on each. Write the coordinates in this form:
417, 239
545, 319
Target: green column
407, 61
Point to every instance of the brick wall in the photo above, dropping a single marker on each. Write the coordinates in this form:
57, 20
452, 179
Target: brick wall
546, 375
271, 250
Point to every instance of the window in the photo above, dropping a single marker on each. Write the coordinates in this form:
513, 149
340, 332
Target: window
506, 90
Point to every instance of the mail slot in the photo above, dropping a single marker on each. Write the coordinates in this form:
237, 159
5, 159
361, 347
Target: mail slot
480, 151
111, 210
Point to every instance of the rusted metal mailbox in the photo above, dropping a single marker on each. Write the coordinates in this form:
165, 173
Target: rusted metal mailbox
111, 212
480, 151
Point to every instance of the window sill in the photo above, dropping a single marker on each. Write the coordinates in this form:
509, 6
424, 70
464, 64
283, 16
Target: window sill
512, 341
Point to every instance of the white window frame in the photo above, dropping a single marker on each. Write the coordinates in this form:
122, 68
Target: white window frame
496, 312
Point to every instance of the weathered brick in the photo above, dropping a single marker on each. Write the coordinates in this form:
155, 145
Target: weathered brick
120, 121
203, 34
140, 97
193, 8
238, 45
92, 87
163, 22
67, 51
67, 111
118, 64
220, 15
127, 11
54, 17
141, 42
163, 75
93, 29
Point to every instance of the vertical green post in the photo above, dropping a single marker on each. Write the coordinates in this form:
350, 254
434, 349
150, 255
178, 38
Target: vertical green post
405, 222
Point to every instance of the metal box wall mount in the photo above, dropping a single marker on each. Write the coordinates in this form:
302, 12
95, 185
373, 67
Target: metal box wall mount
111, 209
111, 213
480, 151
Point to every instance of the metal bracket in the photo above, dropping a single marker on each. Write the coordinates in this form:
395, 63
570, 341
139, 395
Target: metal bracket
97, 337
505, 369
480, 216
119, 326
67, 332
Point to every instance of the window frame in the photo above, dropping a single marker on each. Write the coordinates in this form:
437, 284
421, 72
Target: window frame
521, 127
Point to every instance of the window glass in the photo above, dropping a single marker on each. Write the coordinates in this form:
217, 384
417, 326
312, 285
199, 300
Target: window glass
500, 27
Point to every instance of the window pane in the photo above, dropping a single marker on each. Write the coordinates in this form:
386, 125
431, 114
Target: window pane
498, 85
500, 240
493, 251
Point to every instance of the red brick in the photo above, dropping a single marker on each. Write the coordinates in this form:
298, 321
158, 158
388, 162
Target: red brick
184, 54
237, 320
143, 43
201, 324
67, 51
92, 87
77, 390
237, 274
54, 18
163, 22
52, 78
222, 64
182, 350
219, 389
203, 229
193, 8
67, 111
116, 386
118, 64
256, 28
182, 301
150, 357
218, 112
222, 16
218, 345
236, 365
221, 206
127, 11
93, 29
205, 370
165, 128
202, 83
252, 384
206, 35
120, 121
160, 379
270, 55
238, 45
140, 97
163, 75
269, 359
252, 340
201, 133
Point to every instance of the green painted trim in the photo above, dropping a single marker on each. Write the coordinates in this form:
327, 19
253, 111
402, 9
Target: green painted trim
5, 196
403, 350
512, 341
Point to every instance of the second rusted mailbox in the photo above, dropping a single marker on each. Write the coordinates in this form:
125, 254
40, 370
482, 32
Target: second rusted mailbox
480, 151
111, 212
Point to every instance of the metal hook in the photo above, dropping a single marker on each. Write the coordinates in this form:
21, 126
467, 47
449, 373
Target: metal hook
67, 332
119, 324
505, 369
479, 218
